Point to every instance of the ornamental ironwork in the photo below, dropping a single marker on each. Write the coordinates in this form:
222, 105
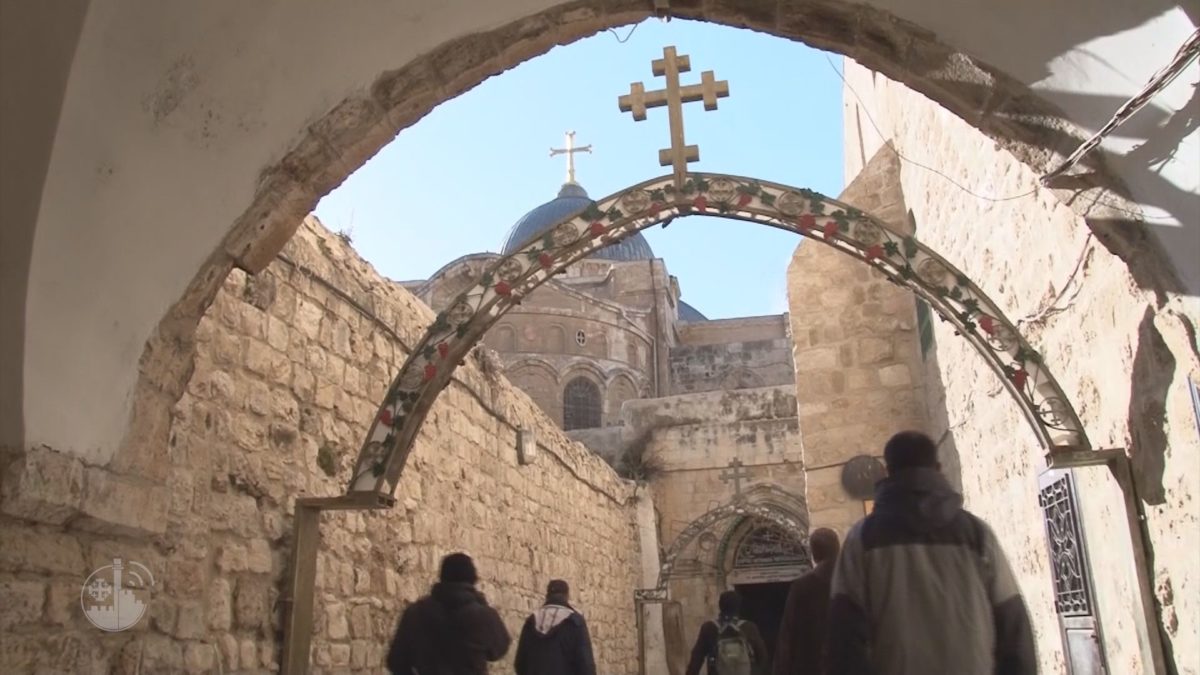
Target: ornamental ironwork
902, 259
769, 545
1072, 592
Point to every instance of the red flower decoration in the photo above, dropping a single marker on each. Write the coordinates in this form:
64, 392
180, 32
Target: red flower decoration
831, 229
597, 228
654, 209
988, 324
430, 372
385, 417
443, 349
874, 252
546, 260
744, 199
807, 222
1018, 377
700, 203
504, 289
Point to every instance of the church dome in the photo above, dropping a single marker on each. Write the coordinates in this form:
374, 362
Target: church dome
571, 200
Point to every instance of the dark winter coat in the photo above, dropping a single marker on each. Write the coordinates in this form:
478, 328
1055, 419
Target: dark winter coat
801, 644
555, 641
451, 631
706, 646
923, 587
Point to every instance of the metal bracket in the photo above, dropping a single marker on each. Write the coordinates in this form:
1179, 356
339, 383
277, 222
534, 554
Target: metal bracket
1064, 457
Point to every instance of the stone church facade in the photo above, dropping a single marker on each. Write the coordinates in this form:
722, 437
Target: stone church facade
612, 353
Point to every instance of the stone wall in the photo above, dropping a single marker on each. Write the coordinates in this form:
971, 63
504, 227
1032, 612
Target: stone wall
289, 367
1122, 354
734, 365
858, 367
692, 440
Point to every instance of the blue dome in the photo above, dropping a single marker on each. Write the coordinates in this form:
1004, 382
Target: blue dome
571, 200
689, 313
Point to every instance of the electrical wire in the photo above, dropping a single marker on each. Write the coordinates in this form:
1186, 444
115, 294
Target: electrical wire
1139, 215
627, 35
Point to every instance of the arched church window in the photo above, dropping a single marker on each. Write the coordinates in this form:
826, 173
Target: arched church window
581, 404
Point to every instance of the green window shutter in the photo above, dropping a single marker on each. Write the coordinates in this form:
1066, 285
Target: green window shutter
925, 326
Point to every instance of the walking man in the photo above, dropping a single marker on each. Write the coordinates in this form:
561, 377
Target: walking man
922, 585
729, 645
801, 644
451, 631
555, 638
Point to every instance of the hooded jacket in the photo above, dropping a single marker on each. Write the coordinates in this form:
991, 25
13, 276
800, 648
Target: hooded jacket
923, 587
555, 641
451, 631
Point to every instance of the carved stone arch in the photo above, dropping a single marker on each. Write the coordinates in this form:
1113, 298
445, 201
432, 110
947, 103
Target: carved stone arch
556, 339
741, 553
737, 511
533, 363
622, 386
900, 258
583, 366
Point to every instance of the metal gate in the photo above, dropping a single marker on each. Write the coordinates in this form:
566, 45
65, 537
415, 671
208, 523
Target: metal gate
1074, 596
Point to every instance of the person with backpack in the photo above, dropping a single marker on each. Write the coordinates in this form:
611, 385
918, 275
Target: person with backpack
922, 585
451, 631
555, 638
729, 645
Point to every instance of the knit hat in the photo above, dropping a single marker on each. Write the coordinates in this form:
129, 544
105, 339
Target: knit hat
557, 587
458, 567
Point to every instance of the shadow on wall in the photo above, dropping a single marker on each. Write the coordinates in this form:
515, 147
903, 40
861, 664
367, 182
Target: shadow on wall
938, 419
1153, 372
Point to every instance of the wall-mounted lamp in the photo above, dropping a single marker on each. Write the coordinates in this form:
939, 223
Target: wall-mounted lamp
526, 446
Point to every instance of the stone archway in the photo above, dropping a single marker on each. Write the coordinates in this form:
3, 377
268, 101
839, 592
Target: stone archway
322, 155
902, 259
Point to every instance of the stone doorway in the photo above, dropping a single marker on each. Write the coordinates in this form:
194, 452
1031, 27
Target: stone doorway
763, 604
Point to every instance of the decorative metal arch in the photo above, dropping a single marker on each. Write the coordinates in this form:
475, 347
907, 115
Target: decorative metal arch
902, 259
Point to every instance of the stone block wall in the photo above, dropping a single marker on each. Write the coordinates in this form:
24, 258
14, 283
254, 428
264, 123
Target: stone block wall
734, 365
856, 352
289, 368
1123, 355
693, 438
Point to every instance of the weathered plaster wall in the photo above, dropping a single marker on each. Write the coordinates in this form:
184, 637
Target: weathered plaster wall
1122, 354
290, 365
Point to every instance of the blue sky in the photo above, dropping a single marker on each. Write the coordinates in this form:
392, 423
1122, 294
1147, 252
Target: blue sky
455, 182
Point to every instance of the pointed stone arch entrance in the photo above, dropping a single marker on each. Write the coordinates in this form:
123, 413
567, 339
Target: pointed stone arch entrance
902, 259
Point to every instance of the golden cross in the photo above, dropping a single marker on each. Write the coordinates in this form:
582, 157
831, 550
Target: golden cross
570, 151
674, 96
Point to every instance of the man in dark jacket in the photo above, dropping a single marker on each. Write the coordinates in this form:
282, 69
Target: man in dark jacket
801, 645
705, 649
555, 638
451, 631
922, 585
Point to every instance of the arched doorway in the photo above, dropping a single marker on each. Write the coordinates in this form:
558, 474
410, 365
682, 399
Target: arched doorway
902, 259
762, 558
